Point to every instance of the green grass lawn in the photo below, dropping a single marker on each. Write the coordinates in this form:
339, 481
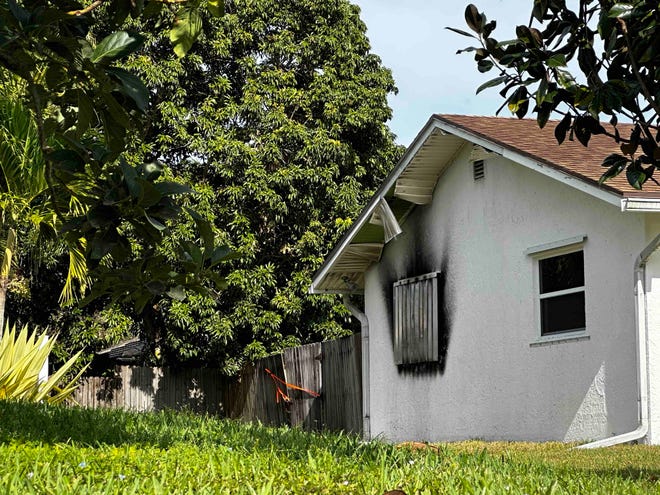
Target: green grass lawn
58, 450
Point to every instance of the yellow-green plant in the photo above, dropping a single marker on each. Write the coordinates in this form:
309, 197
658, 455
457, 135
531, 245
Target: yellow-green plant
22, 356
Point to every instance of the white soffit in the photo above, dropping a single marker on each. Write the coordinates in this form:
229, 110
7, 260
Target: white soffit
347, 271
330, 277
417, 181
640, 204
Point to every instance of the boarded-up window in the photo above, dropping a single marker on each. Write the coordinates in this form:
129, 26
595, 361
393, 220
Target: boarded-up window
416, 319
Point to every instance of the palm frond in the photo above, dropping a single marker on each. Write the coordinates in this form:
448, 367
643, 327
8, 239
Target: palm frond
77, 275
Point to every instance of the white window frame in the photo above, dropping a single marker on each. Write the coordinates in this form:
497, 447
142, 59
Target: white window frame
551, 250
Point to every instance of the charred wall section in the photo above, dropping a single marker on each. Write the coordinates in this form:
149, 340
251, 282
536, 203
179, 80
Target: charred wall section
420, 256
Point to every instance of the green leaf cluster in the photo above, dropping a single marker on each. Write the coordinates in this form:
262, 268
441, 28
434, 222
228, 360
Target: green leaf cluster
611, 46
87, 109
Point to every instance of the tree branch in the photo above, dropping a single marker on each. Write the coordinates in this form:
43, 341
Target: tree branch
86, 10
638, 75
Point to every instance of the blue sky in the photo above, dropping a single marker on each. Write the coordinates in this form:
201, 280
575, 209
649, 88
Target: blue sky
410, 38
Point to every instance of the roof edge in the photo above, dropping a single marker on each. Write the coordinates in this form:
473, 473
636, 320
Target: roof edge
438, 122
533, 162
429, 128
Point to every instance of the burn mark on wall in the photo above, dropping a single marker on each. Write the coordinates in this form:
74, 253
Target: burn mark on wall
421, 258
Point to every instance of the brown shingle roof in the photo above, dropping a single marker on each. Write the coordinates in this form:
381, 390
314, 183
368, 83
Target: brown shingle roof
525, 137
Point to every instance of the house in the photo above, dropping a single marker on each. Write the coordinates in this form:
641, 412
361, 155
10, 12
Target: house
507, 295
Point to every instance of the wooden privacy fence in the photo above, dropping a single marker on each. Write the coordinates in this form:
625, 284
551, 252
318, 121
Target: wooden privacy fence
332, 369
154, 389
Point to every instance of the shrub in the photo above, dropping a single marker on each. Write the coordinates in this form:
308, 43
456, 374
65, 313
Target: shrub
22, 357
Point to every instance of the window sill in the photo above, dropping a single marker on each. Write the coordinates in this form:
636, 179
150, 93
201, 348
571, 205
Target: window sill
560, 338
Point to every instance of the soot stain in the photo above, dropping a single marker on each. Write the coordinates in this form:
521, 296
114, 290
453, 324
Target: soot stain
421, 261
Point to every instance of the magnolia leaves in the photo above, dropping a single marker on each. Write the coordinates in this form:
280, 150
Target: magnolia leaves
131, 86
620, 79
138, 205
92, 110
216, 7
639, 167
187, 24
115, 46
186, 29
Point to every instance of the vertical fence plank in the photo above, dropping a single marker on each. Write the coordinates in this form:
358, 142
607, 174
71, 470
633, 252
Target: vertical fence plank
342, 384
302, 367
270, 411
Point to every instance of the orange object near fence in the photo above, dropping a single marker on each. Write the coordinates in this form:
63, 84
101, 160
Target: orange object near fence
279, 393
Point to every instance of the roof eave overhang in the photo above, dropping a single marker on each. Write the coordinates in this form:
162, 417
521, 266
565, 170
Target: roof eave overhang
431, 127
540, 166
436, 124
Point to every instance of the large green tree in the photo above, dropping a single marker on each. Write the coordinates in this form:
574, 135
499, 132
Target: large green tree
277, 118
600, 58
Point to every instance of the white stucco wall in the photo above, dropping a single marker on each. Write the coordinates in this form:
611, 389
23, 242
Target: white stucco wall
494, 384
652, 287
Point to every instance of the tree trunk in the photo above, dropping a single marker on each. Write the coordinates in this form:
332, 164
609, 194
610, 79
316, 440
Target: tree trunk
151, 329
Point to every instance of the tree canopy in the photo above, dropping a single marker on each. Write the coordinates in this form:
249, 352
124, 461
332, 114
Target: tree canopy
112, 214
600, 59
277, 117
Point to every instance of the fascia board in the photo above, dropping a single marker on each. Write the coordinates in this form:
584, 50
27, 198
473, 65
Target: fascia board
543, 168
642, 205
429, 128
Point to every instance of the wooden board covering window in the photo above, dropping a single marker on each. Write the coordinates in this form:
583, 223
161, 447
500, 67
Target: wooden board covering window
416, 319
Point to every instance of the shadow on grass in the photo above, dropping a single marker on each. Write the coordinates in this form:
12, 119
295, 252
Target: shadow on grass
91, 427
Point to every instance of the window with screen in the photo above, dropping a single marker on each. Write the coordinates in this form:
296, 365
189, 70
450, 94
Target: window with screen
561, 293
